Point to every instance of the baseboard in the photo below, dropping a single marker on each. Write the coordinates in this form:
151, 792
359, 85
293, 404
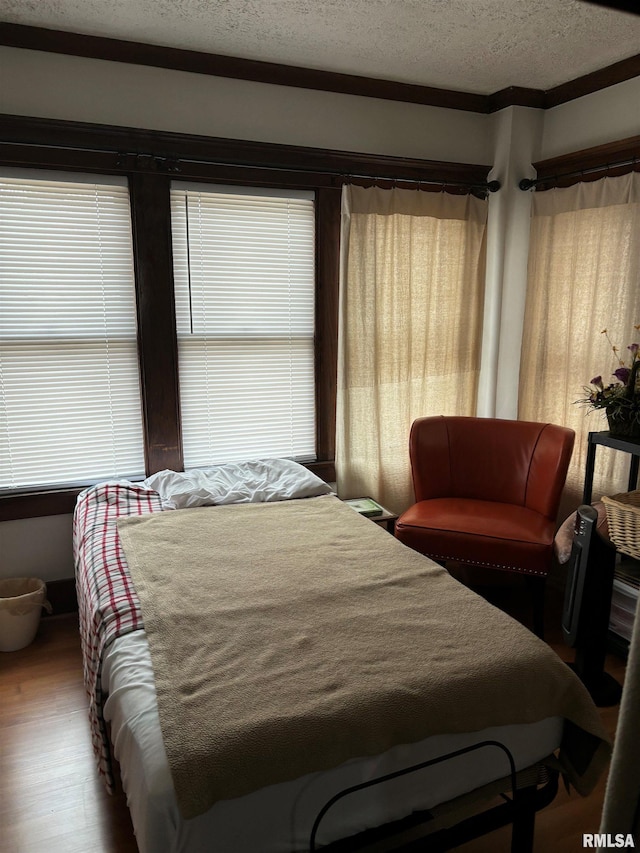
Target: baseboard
62, 596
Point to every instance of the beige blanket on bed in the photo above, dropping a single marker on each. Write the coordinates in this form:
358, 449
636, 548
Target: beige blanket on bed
289, 637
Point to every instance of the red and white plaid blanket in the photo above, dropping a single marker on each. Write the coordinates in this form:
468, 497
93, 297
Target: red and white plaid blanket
107, 602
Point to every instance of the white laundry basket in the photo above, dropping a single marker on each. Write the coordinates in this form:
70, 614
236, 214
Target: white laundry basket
21, 603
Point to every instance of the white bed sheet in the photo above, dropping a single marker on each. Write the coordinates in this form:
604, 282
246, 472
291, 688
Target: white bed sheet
278, 818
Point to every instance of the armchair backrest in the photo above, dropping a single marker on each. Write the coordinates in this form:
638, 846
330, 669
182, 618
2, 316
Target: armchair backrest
515, 462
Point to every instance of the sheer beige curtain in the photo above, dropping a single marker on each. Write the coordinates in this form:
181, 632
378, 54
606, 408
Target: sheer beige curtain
584, 276
411, 306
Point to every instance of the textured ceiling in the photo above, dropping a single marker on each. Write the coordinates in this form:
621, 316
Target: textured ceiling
471, 45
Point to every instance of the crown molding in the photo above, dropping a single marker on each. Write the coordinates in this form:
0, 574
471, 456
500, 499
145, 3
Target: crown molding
626, 69
196, 62
515, 96
177, 59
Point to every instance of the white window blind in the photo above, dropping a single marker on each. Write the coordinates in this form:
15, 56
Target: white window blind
244, 265
69, 389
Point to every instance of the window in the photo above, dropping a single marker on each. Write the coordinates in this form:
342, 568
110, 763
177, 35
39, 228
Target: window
412, 295
69, 389
583, 277
244, 267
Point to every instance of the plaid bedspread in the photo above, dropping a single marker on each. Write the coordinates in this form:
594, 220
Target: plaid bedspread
107, 602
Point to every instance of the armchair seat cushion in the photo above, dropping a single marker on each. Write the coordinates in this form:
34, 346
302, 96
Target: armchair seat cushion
479, 533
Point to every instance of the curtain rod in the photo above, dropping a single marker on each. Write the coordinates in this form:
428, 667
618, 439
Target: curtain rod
479, 190
138, 161
173, 165
484, 186
529, 183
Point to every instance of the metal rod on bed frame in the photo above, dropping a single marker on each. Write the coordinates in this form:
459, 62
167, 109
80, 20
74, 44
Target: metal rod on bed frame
412, 769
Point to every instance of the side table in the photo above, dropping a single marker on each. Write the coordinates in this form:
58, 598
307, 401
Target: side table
626, 445
385, 519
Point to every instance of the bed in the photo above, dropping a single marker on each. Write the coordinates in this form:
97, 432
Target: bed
252, 647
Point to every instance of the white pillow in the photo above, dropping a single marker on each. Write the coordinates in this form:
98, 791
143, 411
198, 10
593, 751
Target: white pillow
236, 482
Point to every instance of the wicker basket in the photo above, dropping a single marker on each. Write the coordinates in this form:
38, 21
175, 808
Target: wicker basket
623, 518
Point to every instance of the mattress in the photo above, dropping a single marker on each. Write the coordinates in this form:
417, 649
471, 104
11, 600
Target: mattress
278, 818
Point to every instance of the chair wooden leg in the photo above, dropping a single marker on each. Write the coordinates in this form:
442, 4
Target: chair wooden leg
536, 588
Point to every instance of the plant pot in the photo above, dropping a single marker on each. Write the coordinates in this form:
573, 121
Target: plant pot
623, 427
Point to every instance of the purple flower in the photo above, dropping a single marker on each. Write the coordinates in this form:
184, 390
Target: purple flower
618, 396
622, 373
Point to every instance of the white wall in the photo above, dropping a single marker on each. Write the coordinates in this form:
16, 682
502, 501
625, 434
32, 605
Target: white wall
92, 90
605, 116
36, 547
520, 136
87, 90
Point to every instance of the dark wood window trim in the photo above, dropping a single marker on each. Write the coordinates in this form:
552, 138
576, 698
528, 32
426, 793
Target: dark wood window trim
328, 201
149, 160
26, 141
32, 504
157, 339
138, 53
589, 164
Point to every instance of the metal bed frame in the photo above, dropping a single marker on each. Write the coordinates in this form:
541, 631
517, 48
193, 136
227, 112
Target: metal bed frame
519, 810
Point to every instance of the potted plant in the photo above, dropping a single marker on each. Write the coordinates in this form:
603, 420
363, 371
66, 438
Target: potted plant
620, 399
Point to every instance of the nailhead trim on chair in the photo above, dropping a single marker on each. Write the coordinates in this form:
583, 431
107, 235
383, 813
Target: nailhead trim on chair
466, 562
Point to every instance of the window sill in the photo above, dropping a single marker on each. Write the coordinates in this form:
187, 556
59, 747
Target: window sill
14, 505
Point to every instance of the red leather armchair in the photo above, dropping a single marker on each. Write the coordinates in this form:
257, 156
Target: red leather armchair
487, 495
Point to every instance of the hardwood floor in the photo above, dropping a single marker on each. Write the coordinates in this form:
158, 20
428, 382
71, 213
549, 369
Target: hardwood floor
51, 800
